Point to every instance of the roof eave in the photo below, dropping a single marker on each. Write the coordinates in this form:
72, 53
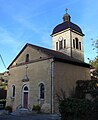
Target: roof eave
73, 62
54, 34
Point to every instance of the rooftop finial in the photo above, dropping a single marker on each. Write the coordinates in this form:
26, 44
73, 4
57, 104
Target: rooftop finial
66, 10
66, 17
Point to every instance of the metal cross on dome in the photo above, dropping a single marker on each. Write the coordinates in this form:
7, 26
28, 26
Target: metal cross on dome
66, 10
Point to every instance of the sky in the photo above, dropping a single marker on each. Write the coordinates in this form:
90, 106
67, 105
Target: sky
32, 21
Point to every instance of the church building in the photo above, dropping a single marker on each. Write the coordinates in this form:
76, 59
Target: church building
38, 74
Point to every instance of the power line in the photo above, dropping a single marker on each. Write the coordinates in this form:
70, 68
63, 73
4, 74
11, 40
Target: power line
2, 61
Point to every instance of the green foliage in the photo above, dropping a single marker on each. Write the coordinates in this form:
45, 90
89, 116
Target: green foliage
95, 105
36, 108
95, 44
94, 69
86, 86
8, 108
2, 104
74, 107
94, 62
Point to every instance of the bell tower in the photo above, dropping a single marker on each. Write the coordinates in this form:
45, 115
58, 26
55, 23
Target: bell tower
67, 37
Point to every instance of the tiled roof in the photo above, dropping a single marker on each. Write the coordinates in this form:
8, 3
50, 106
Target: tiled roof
66, 25
58, 56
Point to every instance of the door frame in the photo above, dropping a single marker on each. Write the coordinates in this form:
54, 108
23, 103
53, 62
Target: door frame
23, 92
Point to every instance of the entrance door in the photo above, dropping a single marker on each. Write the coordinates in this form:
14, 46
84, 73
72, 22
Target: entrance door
25, 97
25, 100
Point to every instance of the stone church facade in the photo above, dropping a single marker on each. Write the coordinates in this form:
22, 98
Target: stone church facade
37, 74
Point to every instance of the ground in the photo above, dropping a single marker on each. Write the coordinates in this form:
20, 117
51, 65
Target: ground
23, 114
29, 117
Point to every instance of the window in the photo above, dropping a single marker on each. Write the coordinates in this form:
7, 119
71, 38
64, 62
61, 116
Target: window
56, 45
42, 91
27, 57
25, 88
73, 43
64, 43
77, 46
80, 45
13, 90
60, 45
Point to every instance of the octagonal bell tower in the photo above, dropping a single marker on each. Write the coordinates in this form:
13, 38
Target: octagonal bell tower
67, 37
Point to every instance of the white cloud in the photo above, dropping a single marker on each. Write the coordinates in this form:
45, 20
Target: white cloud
8, 40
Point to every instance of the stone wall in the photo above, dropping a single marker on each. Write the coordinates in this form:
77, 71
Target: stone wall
69, 35
65, 78
38, 72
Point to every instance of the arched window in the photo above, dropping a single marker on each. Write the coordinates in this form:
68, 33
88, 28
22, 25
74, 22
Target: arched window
64, 43
77, 43
41, 91
56, 45
13, 90
27, 57
80, 45
60, 45
25, 88
73, 43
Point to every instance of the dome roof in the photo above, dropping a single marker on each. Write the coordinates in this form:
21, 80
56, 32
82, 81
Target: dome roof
65, 25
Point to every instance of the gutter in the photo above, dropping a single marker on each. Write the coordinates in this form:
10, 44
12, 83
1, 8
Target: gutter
51, 83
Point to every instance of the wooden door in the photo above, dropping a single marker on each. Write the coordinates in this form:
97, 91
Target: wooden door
26, 100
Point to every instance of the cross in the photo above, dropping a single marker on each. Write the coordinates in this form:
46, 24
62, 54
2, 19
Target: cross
66, 10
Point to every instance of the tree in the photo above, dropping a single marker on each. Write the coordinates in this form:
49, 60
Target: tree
84, 87
94, 68
94, 62
95, 45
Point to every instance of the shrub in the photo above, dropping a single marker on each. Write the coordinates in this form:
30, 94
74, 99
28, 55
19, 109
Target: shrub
74, 107
2, 103
95, 104
8, 108
37, 108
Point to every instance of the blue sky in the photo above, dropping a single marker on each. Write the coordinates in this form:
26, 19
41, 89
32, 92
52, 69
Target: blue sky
32, 21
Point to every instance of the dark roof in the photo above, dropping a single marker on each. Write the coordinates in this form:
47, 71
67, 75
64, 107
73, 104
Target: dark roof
66, 25
58, 56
